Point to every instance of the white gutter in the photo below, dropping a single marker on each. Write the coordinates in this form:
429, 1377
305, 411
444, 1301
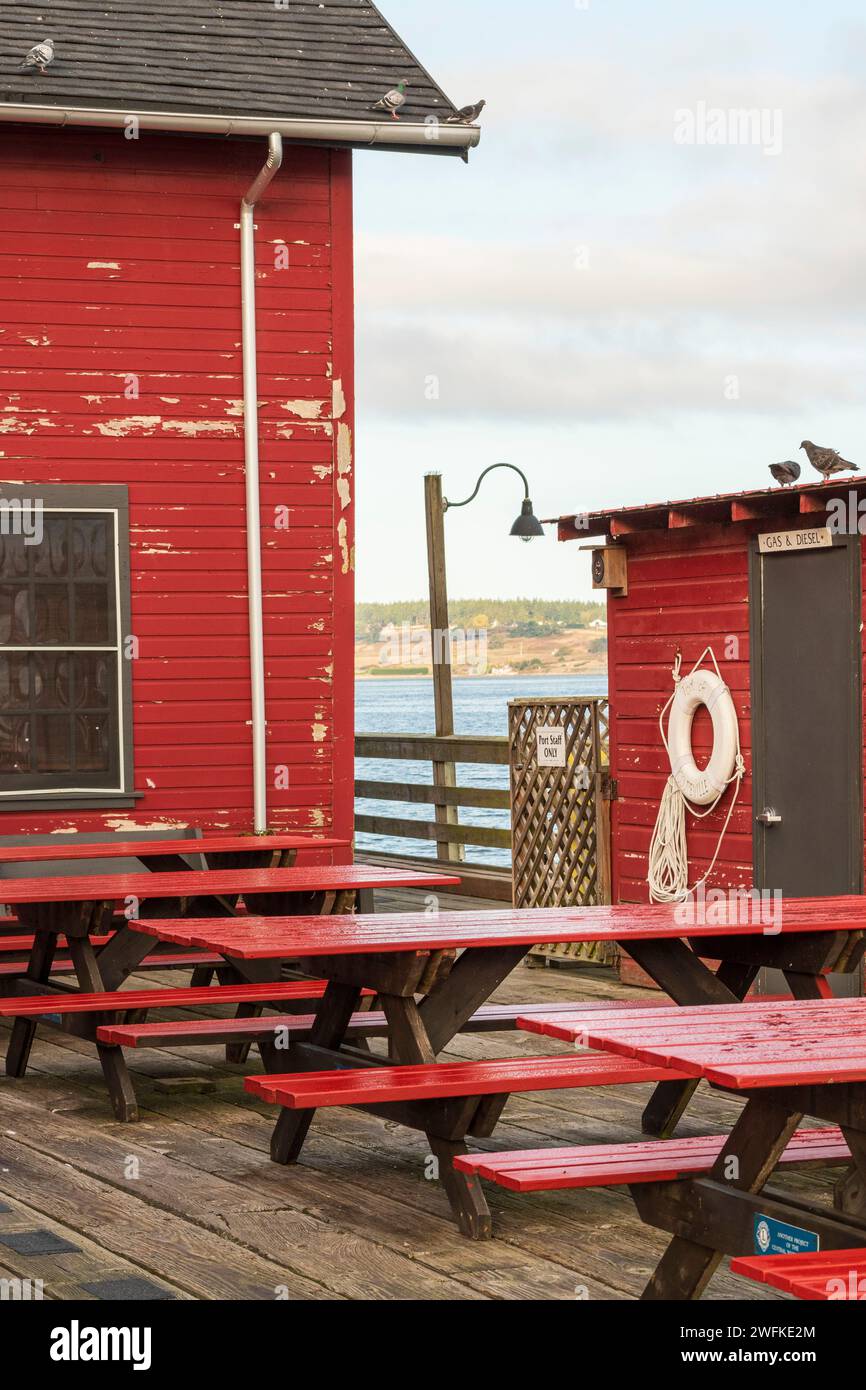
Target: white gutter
433, 135
251, 475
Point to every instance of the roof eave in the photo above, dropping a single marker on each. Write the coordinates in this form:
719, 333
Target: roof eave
428, 137
803, 500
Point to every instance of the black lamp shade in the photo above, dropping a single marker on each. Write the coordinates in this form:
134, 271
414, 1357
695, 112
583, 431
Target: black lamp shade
527, 526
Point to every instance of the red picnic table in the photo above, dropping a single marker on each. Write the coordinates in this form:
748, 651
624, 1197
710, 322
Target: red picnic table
812, 937
788, 1060
403, 956
77, 906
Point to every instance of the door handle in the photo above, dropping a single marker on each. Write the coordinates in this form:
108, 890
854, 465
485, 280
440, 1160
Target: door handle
769, 817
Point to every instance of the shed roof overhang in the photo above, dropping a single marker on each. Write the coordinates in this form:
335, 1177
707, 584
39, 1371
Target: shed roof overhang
768, 505
425, 138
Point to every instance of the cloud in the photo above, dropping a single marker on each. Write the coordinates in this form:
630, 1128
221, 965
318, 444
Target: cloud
741, 265
437, 372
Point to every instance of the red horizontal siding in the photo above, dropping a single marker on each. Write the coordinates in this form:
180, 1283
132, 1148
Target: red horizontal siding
679, 596
134, 249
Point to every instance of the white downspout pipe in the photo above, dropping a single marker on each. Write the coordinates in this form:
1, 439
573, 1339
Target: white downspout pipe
251, 474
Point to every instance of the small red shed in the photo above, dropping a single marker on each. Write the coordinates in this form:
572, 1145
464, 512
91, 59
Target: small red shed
177, 453
772, 581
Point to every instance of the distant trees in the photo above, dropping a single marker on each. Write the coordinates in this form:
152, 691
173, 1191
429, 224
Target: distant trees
522, 617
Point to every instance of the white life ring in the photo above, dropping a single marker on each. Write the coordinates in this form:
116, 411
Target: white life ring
702, 688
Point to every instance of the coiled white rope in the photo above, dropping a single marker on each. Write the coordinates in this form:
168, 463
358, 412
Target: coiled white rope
668, 867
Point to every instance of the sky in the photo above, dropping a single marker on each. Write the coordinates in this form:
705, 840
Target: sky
628, 292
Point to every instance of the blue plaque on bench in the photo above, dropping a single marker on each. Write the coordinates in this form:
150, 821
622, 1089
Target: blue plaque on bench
774, 1238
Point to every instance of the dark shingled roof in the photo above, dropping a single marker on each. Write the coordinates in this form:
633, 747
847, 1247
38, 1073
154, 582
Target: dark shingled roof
305, 59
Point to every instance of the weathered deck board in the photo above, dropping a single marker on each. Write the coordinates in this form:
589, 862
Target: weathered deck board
203, 1212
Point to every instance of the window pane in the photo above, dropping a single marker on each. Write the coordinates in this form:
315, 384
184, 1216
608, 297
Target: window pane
92, 743
13, 557
51, 616
14, 744
14, 682
60, 707
53, 743
94, 680
94, 609
51, 680
90, 546
14, 614
51, 558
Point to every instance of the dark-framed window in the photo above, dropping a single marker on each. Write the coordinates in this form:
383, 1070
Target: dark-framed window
65, 682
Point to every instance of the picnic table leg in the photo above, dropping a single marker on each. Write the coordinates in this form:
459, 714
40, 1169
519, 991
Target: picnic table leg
248, 973
119, 957
688, 982
24, 1029
114, 1068
754, 1147
463, 1190
808, 986
850, 1193
453, 1000
338, 1004
409, 1043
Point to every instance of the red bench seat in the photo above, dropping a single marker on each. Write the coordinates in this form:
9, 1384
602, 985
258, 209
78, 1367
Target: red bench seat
120, 1001
436, 1081
63, 965
615, 1165
490, 1018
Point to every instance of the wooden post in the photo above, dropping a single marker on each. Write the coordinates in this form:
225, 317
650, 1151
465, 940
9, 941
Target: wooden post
444, 773
602, 815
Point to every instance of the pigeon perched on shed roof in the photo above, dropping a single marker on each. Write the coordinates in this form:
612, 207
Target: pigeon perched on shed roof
826, 461
393, 100
40, 55
785, 473
467, 115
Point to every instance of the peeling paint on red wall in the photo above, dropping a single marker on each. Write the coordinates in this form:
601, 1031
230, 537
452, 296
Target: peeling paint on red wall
121, 362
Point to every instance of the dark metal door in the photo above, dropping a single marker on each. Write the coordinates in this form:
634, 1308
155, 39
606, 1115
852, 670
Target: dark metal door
806, 720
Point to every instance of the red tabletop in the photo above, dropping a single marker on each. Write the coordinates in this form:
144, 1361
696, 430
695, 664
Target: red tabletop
802, 1042
69, 847
204, 883
253, 938
836, 1275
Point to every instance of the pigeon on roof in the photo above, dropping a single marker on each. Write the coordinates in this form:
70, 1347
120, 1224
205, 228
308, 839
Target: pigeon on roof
785, 473
393, 100
467, 115
40, 55
827, 461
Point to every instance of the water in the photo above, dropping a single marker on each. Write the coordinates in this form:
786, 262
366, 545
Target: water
396, 706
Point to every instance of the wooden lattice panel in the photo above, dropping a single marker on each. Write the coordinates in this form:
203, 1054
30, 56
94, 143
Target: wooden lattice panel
554, 814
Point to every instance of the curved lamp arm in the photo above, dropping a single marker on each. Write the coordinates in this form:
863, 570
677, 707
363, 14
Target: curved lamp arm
446, 504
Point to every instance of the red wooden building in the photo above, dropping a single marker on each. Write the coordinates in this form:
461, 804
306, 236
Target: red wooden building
773, 581
176, 421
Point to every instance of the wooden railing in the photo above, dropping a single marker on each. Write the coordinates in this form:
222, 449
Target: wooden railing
445, 832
